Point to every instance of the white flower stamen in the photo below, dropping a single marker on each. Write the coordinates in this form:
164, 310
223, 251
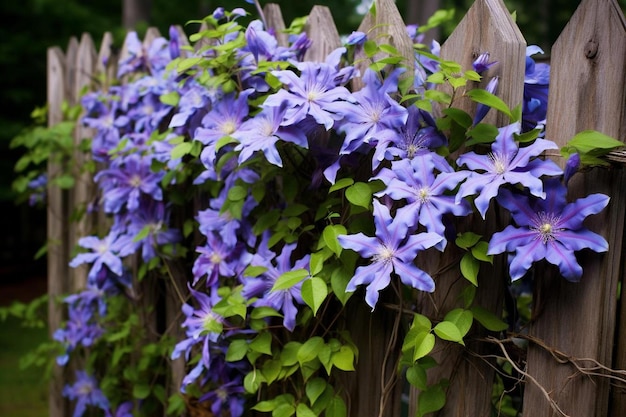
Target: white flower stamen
546, 226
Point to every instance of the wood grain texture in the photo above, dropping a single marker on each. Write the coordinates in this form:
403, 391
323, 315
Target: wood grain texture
588, 74
488, 27
387, 27
321, 29
57, 268
276, 23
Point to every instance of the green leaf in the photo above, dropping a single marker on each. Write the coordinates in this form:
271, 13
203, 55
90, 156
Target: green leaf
289, 354
314, 292
237, 193
448, 331
482, 133
589, 141
461, 318
343, 359
289, 279
265, 406
359, 194
316, 263
424, 344
237, 350
336, 407
309, 350
254, 271
370, 48
252, 381
459, 116
284, 410
485, 97
181, 150
469, 268
430, 400
339, 279
141, 391
303, 410
341, 183
489, 320
330, 234
314, 388
271, 370
416, 376
479, 251
262, 343
467, 240
170, 99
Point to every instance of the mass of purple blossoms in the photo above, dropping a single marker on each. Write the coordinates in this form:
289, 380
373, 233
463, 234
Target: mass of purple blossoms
279, 164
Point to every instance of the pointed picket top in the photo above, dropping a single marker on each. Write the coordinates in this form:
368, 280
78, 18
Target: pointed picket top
151, 34
106, 65
56, 84
587, 78
86, 62
488, 27
321, 29
385, 27
276, 23
70, 68
183, 39
588, 63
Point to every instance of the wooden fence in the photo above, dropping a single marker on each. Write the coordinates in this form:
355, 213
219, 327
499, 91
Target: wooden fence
578, 332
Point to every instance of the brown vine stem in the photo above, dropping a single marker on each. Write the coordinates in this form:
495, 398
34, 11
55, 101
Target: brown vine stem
387, 385
555, 407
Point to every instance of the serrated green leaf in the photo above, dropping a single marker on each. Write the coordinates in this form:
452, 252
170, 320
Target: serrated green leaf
314, 292
288, 279
489, 320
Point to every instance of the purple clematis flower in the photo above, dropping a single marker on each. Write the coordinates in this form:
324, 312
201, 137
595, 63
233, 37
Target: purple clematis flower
391, 251
415, 181
506, 164
549, 229
86, 393
104, 252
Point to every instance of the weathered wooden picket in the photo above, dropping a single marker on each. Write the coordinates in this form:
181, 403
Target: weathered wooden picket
577, 339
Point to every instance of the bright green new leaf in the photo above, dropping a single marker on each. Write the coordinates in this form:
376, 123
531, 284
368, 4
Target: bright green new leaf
449, 331
469, 268
284, 410
589, 141
359, 194
289, 354
489, 320
265, 406
482, 133
271, 369
314, 292
424, 344
170, 99
467, 240
416, 376
181, 150
343, 359
263, 312
461, 318
289, 279
485, 97
459, 116
303, 410
479, 251
252, 381
309, 349
341, 183
330, 234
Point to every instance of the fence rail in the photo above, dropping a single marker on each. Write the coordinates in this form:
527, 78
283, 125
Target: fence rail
578, 329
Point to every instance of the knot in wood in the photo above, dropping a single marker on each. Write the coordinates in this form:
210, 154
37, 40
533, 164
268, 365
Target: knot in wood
591, 49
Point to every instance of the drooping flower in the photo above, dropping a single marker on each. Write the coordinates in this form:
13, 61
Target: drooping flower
506, 164
390, 251
482, 63
550, 229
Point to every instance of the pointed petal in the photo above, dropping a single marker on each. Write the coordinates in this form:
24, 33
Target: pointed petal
583, 239
510, 239
411, 275
524, 258
559, 255
574, 213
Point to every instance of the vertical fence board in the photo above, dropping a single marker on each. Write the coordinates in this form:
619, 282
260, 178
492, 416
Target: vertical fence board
276, 23
588, 74
84, 189
487, 27
321, 29
58, 268
387, 27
